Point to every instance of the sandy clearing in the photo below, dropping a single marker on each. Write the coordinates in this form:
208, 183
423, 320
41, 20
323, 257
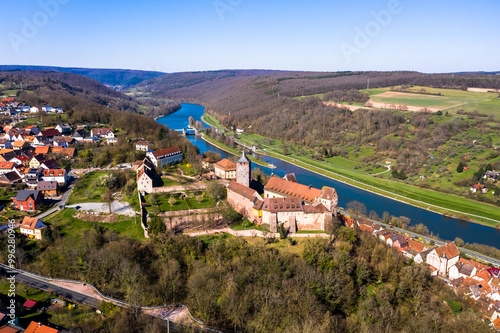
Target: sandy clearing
177, 314
390, 94
78, 287
482, 90
410, 108
342, 106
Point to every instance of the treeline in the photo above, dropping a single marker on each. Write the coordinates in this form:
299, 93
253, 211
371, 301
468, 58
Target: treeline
349, 96
353, 284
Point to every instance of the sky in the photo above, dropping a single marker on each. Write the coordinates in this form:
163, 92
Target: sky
189, 35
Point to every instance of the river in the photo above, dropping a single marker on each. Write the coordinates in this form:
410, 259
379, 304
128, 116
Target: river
447, 228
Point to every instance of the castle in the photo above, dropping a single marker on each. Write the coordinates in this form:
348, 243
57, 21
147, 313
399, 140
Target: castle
285, 201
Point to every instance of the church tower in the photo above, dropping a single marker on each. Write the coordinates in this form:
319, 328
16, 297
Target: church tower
243, 170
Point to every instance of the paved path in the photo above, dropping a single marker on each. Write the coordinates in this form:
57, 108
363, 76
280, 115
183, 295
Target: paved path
188, 212
63, 200
116, 207
47, 286
251, 233
187, 187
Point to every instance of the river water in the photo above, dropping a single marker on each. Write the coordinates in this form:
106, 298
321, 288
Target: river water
447, 228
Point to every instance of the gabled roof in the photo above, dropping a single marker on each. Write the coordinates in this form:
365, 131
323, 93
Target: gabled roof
165, 152
328, 193
51, 164
275, 205
11, 177
242, 190
226, 164
80, 133
291, 189
53, 172
449, 250
290, 177
42, 150
6, 165
23, 195
313, 209
143, 143
50, 132
19, 144
31, 223
417, 246
101, 131
35, 327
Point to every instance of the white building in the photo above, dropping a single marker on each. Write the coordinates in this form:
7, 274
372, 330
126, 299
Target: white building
165, 156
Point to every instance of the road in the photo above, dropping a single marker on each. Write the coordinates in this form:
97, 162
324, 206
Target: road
47, 286
64, 197
470, 253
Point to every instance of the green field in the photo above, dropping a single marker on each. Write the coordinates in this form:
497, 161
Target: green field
88, 189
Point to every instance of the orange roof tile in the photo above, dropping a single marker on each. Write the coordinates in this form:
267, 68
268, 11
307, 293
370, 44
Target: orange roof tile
482, 276
29, 222
226, 165
291, 189
450, 250
42, 150
6, 165
35, 327
417, 246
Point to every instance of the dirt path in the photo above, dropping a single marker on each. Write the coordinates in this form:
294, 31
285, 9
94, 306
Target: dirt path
187, 187
347, 107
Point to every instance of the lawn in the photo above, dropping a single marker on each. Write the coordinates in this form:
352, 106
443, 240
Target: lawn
161, 203
211, 121
88, 189
68, 225
167, 182
205, 203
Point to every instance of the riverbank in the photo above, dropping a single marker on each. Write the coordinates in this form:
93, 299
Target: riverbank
442, 203
233, 151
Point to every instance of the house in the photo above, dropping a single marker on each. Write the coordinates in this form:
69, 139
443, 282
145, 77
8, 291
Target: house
5, 144
6, 167
49, 133
422, 256
494, 271
102, 133
401, 243
23, 160
240, 130
36, 327
67, 152
28, 200
34, 109
225, 169
10, 178
62, 141
48, 188
20, 145
33, 129
81, 135
32, 227
40, 141
461, 269
208, 163
493, 175
444, 257
58, 175
44, 150
243, 199
143, 145
64, 128
145, 176
165, 156
417, 246
36, 161
31, 177
49, 164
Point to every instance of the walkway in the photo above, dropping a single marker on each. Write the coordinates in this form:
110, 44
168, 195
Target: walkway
116, 207
186, 187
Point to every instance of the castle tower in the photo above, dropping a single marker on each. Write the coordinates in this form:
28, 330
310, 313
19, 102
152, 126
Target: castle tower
243, 170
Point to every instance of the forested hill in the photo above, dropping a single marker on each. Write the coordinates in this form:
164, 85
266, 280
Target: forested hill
113, 77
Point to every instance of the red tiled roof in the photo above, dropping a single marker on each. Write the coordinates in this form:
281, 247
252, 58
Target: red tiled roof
417, 246
35, 327
242, 190
42, 150
274, 205
166, 151
53, 172
366, 228
29, 222
291, 189
313, 209
450, 250
6, 165
50, 132
226, 165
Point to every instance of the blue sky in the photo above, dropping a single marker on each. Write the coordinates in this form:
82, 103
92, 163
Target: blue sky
189, 35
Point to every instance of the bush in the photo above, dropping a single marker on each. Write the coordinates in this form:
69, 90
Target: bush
455, 306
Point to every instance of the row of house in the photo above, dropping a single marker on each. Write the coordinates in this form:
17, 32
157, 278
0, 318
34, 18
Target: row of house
467, 277
9, 106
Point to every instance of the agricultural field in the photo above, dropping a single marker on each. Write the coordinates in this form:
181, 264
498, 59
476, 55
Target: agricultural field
452, 100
